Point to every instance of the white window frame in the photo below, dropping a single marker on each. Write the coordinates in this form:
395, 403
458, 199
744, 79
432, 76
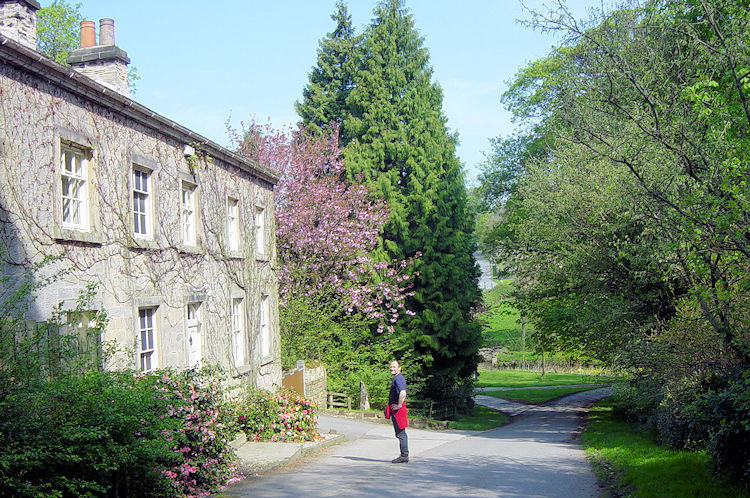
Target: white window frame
147, 332
233, 224
188, 214
143, 212
260, 230
74, 164
193, 320
264, 326
237, 325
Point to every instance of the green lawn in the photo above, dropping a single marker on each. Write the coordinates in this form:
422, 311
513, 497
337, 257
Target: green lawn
525, 378
481, 418
631, 464
536, 395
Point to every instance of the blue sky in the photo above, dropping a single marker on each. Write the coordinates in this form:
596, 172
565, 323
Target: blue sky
202, 63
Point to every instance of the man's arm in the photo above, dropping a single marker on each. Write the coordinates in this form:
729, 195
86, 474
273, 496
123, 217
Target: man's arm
401, 399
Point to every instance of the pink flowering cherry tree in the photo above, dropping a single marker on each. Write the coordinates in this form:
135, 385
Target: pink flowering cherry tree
327, 228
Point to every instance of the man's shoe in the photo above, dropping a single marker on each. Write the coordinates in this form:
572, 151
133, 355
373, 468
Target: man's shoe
401, 459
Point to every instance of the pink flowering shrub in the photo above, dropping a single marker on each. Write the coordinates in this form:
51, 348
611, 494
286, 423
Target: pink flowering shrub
203, 461
280, 416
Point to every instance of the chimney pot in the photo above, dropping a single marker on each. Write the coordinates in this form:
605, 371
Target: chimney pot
106, 31
88, 34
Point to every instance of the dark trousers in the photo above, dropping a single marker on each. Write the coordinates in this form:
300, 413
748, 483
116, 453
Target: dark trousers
403, 439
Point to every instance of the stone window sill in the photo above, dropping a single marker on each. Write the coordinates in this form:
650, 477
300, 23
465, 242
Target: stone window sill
266, 360
65, 234
235, 255
138, 243
197, 250
242, 370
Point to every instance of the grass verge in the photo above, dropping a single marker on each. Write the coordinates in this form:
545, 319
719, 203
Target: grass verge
536, 395
480, 419
526, 378
629, 463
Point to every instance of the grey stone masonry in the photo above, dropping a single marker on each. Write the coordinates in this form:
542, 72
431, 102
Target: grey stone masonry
106, 64
18, 21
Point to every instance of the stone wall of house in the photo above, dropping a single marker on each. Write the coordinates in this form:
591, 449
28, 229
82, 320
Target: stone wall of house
18, 21
37, 119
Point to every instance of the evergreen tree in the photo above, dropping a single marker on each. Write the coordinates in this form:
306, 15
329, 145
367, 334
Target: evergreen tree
324, 97
400, 145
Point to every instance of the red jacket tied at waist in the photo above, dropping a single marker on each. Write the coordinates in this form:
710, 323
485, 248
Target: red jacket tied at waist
399, 415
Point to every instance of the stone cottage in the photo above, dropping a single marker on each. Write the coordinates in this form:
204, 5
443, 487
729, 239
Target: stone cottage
175, 231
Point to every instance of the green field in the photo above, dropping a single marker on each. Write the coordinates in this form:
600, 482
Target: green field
525, 378
536, 395
480, 419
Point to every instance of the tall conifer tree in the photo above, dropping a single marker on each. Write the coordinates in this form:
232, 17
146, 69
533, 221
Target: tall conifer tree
324, 97
401, 145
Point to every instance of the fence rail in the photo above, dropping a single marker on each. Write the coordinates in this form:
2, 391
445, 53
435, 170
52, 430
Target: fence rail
338, 400
439, 410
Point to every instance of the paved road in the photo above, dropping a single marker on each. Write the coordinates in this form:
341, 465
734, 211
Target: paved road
535, 456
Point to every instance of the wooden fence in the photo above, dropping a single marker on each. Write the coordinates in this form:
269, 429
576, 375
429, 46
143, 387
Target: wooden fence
339, 400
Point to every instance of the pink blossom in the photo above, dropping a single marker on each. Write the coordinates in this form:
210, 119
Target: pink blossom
327, 227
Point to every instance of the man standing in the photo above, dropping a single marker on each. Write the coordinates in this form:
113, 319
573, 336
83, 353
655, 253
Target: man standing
396, 409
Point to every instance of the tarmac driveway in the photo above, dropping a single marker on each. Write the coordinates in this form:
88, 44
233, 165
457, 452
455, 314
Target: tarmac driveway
535, 456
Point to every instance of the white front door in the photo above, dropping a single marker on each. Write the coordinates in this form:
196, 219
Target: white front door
194, 335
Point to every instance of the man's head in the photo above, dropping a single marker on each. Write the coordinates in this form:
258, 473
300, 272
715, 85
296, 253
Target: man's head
395, 367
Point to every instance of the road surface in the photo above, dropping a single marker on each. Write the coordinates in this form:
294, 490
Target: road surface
535, 456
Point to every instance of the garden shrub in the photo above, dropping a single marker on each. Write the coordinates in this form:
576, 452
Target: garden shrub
729, 443
205, 426
67, 428
83, 436
280, 416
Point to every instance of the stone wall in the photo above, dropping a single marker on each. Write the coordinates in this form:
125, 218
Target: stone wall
316, 384
18, 21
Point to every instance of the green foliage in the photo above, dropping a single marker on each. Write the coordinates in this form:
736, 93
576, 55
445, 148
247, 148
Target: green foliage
83, 436
319, 330
67, 428
402, 147
396, 140
729, 442
331, 80
58, 29
280, 416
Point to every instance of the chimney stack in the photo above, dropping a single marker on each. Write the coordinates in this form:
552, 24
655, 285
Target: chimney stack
88, 34
106, 31
105, 63
18, 21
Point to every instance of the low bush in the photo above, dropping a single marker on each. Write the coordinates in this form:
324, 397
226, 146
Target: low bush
118, 434
280, 416
729, 442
